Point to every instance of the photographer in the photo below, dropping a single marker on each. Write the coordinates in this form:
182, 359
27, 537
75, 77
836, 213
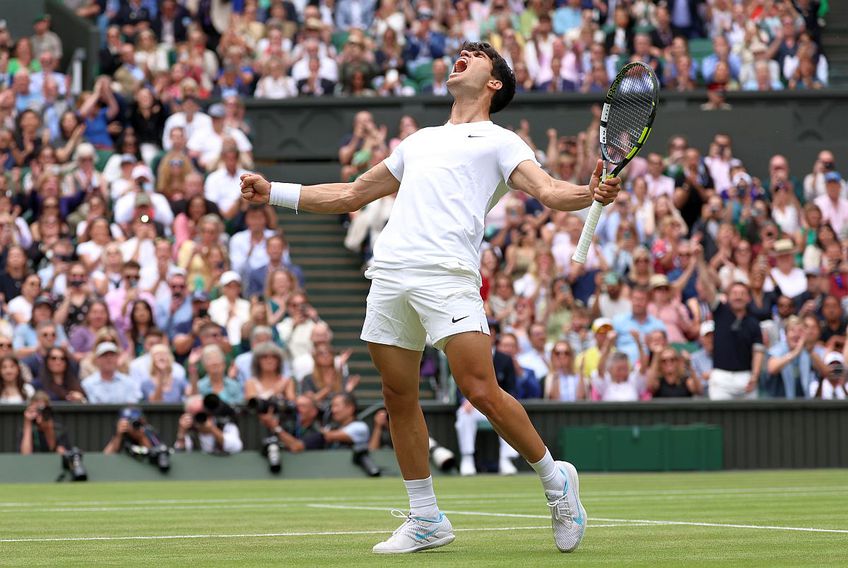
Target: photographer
349, 432
40, 432
138, 438
833, 385
298, 432
208, 424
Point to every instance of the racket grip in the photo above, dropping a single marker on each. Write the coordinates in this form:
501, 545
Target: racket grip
588, 232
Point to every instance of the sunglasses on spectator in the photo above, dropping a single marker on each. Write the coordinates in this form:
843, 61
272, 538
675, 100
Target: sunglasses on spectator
48, 334
5, 345
668, 360
57, 358
562, 353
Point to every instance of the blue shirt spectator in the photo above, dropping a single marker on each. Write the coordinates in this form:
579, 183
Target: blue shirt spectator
639, 321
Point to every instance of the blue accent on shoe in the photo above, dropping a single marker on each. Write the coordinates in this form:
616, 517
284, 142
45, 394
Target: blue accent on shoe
422, 536
438, 519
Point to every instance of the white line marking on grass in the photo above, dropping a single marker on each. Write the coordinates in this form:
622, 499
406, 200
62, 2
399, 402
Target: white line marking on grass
245, 535
464, 497
643, 522
141, 508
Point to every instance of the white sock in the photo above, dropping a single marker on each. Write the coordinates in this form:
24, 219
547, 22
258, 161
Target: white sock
422, 498
549, 473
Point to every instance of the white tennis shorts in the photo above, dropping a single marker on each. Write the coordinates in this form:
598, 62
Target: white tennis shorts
405, 306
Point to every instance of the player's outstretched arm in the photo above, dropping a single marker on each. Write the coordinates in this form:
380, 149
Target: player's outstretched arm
562, 195
323, 198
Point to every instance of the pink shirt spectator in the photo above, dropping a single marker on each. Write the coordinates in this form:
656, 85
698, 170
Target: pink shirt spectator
834, 213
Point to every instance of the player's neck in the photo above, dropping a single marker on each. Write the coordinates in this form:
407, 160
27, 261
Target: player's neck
465, 111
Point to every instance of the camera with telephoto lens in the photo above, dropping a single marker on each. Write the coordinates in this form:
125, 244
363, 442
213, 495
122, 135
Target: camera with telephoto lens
45, 411
219, 410
72, 465
363, 459
271, 451
157, 453
441, 457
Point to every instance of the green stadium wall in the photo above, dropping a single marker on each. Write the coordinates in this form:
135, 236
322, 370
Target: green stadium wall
755, 434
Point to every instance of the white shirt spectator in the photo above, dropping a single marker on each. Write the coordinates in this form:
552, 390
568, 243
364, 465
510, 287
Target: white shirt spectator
535, 361
327, 70
219, 312
628, 391
243, 255
279, 88
140, 370
20, 306
199, 123
657, 186
209, 143
790, 284
221, 187
146, 257
358, 432
162, 213
298, 339
834, 213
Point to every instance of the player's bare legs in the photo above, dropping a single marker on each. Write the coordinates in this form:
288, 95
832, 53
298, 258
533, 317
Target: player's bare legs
469, 355
399, 370
425, 527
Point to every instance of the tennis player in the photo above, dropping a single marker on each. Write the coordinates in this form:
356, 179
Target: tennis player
425, 280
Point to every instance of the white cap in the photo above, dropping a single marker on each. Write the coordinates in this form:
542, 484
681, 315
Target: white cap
229, 277
142, 170
834, 357
707, 327
106, 347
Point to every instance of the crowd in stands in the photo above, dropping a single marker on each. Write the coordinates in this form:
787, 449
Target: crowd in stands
131, 271
130, 268
702, 281
280, 48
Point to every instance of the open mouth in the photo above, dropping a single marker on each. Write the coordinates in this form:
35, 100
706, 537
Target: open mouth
460, 66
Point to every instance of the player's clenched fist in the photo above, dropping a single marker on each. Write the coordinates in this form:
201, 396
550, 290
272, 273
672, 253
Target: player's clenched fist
255, 188
604, 191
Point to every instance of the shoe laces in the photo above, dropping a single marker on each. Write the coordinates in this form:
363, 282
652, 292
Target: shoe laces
561, 509
407, 524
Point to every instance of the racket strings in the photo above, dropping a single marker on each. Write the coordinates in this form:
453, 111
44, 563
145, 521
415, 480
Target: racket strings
630, 111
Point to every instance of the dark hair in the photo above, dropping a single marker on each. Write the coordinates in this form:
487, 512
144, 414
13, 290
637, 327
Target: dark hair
70, 378
19, 380
348, 398
500, 71
135, 332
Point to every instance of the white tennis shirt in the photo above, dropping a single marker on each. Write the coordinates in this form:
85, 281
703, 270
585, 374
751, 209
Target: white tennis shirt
450, 176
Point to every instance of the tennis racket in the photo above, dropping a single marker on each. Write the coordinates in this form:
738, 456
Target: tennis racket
629, 111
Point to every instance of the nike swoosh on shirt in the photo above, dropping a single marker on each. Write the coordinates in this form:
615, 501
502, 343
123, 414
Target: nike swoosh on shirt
475, 136
454, 320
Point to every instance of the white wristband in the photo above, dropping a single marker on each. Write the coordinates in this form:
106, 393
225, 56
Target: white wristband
285, 195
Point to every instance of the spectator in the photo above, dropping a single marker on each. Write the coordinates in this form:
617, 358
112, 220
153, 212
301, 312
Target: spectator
666, 306
268, 380
189, 118
230, 310
59, 377
535, 356
219, 142
248, 248
165, 381
834, 208
832, 387
44, 40
638, 320
563, 383
702, 360
275, 83
587, 360
107, 385
738, 352
215, 435
791, 367
13, 389
220, 182
26, 337
215, 382
327, 378
296, 329
121, 300
670, 376
617, 382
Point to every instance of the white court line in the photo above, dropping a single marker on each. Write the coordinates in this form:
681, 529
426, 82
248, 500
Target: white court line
467, 497
141, 508
608, 520
245, 535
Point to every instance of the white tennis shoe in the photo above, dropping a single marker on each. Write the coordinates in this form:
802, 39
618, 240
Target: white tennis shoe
416, 534
568, 517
